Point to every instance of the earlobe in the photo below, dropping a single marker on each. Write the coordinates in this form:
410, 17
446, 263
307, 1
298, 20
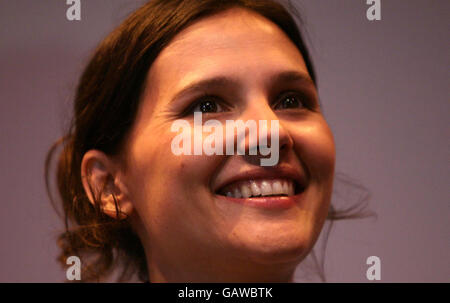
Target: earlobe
101, 182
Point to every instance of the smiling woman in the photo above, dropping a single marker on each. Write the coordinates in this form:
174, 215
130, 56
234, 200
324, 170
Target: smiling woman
129, 201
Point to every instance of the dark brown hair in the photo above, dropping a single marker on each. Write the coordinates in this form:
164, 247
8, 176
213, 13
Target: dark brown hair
105, 107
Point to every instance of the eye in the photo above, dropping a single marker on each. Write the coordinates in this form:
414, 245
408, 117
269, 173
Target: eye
207, 104
289, 101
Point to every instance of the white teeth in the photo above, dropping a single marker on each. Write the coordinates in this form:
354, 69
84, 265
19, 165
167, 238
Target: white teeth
246, 191
277, 188
286, 186
256, 190
291, 188
266, 188
237, 193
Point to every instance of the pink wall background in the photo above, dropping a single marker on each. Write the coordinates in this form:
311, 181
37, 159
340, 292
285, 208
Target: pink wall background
384, 86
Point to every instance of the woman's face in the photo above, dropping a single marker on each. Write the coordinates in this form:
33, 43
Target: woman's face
190, 230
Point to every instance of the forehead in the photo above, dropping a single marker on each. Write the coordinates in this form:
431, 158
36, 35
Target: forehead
233, 43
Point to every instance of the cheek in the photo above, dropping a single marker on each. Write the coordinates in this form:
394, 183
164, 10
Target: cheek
162, 182
314, 143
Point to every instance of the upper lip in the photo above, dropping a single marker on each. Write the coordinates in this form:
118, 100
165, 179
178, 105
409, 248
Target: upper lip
276, 172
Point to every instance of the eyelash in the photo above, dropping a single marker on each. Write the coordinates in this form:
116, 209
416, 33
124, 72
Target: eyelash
303, 100
200, 100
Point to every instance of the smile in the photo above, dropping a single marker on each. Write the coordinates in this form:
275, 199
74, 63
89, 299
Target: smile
273, 188
259, 188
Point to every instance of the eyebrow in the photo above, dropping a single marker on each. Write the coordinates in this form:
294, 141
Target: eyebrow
223, 81
293, 76
205, 85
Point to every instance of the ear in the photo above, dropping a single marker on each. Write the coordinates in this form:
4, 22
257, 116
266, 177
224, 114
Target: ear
102, 181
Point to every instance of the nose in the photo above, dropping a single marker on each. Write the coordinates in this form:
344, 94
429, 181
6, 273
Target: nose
272, 135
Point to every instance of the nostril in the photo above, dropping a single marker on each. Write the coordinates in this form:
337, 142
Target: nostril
286, 144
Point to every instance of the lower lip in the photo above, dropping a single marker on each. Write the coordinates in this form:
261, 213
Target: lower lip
275, 202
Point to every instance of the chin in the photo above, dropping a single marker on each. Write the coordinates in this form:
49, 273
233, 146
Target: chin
268, 247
